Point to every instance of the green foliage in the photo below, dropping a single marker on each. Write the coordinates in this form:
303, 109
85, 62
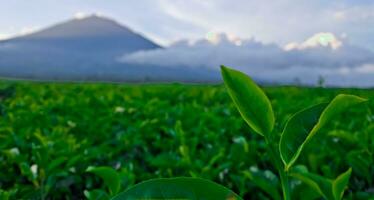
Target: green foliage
250, 100
265, 180
50, 133
178, 188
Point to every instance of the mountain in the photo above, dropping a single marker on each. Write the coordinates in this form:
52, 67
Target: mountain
83, 49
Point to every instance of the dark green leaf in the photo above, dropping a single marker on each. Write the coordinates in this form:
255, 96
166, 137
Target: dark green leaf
178, 188
329, 189
265, 180
296, 131
320, 184
4, 195
96, 195
110, 177
361, 161
304, 192
250, 100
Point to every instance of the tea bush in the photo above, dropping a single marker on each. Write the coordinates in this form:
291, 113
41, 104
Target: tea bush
56, 138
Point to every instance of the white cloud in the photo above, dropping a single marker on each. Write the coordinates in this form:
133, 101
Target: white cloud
341, 64
317, 40
80, 15
279, 21
28, 29
4, 36
23, 31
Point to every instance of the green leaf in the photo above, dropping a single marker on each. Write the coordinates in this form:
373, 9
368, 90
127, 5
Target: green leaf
265, 180
340, 184
296, 132
250, 100
178, 188
96, 195
339, 104
320, 184
303, 125
110, 177
327, 188
307, 189
304, 192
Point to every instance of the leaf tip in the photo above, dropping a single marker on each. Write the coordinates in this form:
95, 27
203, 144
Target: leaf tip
358, 98
224, 69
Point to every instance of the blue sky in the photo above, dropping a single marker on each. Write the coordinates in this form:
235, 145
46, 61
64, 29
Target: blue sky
165, 21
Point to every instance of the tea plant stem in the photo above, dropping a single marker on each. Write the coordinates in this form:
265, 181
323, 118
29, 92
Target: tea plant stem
285, 185
275, 157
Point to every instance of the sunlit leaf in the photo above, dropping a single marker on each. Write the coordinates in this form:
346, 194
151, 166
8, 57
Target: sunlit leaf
296, 132
250, 100
302, 126
340, 184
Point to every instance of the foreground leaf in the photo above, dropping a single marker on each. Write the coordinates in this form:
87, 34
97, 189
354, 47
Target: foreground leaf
178, 188
250, 100
110, 177
296, 131
302, 126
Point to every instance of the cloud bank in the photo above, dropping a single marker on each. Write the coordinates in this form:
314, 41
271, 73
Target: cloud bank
322, 55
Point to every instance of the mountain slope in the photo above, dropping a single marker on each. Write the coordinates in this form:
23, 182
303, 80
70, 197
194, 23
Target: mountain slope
89, 36
86, 27
79, 49
87, 50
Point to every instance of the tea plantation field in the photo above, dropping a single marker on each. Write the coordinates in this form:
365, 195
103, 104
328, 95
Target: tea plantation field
51, 133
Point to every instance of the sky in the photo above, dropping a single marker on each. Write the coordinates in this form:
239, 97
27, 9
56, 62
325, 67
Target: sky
166, 21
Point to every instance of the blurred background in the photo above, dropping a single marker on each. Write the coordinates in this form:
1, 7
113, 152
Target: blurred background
279, 42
